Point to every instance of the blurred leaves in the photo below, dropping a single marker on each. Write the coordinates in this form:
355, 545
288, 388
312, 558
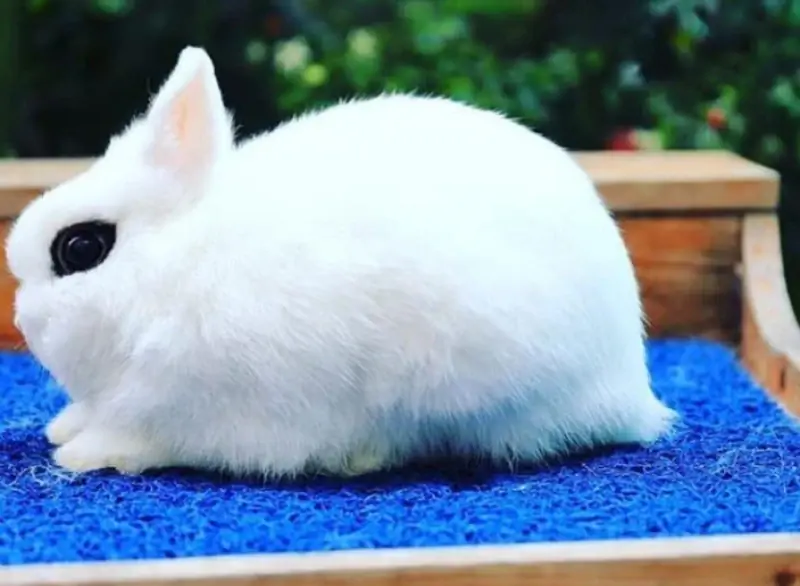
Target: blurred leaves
621, 74
685, 72
682, 73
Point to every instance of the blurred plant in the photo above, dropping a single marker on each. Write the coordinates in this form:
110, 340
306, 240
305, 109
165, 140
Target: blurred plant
426, 47
666, 73
618, 74
663, 73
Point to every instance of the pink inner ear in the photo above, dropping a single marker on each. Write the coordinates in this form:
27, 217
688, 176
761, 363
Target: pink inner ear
184, 127
190, 115
181, 120
188, 125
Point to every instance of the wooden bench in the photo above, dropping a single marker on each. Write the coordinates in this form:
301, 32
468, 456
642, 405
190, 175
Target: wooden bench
703, 234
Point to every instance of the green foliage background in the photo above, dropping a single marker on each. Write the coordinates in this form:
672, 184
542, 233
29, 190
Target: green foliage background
590, 74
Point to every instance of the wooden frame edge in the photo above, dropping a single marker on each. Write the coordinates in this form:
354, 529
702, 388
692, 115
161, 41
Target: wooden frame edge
770, 345
751, 560
770, 348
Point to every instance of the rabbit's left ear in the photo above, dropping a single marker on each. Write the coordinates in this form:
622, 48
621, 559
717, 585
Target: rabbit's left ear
187, 123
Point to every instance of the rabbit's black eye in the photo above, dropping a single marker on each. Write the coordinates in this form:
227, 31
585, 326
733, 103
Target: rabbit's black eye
82, 247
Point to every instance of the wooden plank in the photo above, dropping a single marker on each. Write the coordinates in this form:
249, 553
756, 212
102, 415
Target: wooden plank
744, 560
9, 335
770, 344
681, 181
686, 268
21, 180
628, 181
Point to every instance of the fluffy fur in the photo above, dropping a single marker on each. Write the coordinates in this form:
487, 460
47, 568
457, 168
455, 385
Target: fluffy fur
382, 280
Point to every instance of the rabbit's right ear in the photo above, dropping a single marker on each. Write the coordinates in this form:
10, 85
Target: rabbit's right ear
187, 123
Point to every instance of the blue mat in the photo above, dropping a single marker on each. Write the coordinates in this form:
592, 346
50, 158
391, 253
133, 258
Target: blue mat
732, 467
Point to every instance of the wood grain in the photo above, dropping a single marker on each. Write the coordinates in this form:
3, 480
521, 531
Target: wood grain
628, 181
686, 269
770, 345
680, 180
757, 560
9, 335
21, 180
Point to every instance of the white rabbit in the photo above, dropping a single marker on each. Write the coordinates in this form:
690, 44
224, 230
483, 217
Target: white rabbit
382, 280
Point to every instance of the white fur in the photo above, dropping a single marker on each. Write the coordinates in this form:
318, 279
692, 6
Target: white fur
370, 283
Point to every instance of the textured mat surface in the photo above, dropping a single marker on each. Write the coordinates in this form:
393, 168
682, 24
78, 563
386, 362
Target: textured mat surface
732, 467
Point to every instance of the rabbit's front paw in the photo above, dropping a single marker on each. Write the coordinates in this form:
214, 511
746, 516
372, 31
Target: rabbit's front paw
98, 449
67, 424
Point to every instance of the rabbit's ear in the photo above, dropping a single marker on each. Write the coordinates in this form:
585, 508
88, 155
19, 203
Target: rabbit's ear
188, 125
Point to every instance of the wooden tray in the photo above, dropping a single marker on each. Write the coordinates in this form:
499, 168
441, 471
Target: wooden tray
703, 233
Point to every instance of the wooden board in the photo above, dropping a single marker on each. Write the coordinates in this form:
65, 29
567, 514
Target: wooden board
757, 560
686, 267
770, 345
9, 335
683, 218
629, 181
675, 181
21, 180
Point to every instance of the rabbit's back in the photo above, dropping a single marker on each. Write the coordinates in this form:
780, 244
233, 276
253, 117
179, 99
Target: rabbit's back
402, 156
425, 241
425, 182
